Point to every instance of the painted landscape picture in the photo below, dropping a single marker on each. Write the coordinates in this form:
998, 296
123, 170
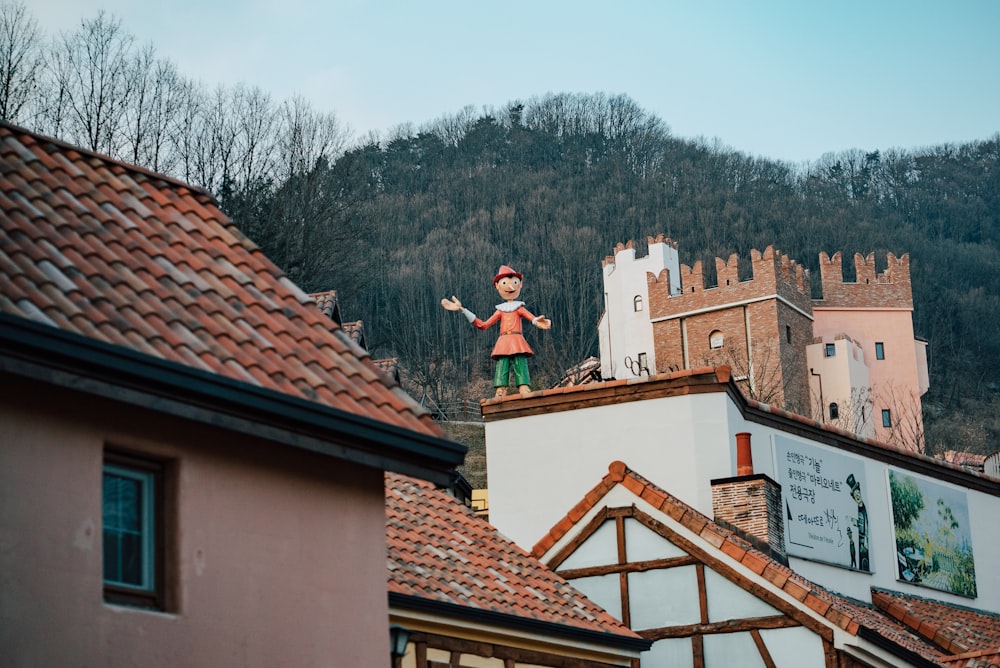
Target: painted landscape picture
933, 538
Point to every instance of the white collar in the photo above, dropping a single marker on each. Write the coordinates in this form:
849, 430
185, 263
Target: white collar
509, 307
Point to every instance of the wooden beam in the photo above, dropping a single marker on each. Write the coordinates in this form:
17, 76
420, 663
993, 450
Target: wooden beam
762, 648
698, 652
728, 626
633, 567
728, 571
572, 546
702, 593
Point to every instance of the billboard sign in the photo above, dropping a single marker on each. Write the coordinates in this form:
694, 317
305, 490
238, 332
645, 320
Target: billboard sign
824, 494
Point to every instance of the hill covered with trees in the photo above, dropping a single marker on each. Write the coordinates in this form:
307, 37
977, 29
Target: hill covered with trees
548, 185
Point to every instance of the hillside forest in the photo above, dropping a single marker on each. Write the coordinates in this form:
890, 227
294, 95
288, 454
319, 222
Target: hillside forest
547, 184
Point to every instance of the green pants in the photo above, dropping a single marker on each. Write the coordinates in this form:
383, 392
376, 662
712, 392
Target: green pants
521, 376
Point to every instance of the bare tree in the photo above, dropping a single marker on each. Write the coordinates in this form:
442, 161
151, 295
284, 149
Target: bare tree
152, 111
186, 130
95, 79
305, 137
906, 416
253, 124
852, 414
20, 60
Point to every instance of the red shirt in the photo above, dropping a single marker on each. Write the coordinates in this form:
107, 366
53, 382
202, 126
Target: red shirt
511, 341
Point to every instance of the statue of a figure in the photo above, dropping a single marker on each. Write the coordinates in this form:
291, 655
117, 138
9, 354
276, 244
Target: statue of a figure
511, 351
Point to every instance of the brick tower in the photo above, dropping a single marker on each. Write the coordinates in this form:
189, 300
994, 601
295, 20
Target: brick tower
760, 327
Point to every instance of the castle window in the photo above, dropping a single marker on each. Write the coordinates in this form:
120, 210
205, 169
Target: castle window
788, 333
715, 340
886, 418
834, 411
879, 350
830, 350
637, 303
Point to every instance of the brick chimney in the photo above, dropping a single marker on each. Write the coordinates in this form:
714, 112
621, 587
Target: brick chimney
750, 503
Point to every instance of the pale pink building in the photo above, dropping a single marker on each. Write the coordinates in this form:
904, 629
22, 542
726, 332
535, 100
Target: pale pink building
875, 313
191, 453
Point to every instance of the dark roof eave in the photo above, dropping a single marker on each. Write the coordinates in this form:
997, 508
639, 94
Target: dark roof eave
517, 623
53, 356
879, 640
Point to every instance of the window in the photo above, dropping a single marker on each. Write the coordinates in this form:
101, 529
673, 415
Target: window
637, 303
879, 350
830, 350
715, 339
132, 528
788, 333
886, 418
834, 411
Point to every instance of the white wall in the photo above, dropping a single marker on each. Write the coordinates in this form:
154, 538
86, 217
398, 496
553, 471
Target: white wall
540, 466
623, 331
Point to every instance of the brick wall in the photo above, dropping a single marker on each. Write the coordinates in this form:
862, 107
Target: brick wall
888, 289
752, 504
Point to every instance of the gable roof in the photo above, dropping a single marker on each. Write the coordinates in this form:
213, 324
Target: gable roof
443, 558
150, 266
854, 617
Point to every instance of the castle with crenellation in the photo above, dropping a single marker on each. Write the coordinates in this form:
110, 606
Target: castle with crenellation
848, 359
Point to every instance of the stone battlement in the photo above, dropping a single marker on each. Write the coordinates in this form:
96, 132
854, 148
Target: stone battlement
888, 289
630, 245
774, 273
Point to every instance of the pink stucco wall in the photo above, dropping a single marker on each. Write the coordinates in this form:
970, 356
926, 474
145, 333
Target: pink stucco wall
277, 556
895, 381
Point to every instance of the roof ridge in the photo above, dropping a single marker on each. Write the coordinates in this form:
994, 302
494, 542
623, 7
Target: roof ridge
836, 609
138, 169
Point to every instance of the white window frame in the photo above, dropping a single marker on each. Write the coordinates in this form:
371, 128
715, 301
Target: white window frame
716, 340
147, 480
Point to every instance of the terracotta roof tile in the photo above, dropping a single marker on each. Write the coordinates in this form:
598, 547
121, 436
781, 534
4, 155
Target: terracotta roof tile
441, 551
953, 627
97, 247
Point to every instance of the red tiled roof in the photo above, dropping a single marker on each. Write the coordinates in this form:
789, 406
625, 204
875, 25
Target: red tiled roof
845, 613
441, 551
132, 258
356, 330
955, 628
327, 304
984, 659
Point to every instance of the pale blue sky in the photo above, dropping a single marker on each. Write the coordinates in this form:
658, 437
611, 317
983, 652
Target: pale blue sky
783, 79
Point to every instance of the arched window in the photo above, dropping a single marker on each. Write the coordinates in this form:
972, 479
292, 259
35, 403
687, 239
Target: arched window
715, 339
637, 303
834, 411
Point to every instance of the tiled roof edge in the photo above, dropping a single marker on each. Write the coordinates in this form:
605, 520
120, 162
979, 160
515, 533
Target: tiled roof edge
879, 640
52, 355
514, 622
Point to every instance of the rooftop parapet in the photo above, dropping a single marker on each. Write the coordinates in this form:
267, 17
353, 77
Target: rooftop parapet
774, 273
612, 259
888, 289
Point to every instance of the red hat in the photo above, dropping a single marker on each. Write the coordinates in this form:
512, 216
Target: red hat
504, 272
